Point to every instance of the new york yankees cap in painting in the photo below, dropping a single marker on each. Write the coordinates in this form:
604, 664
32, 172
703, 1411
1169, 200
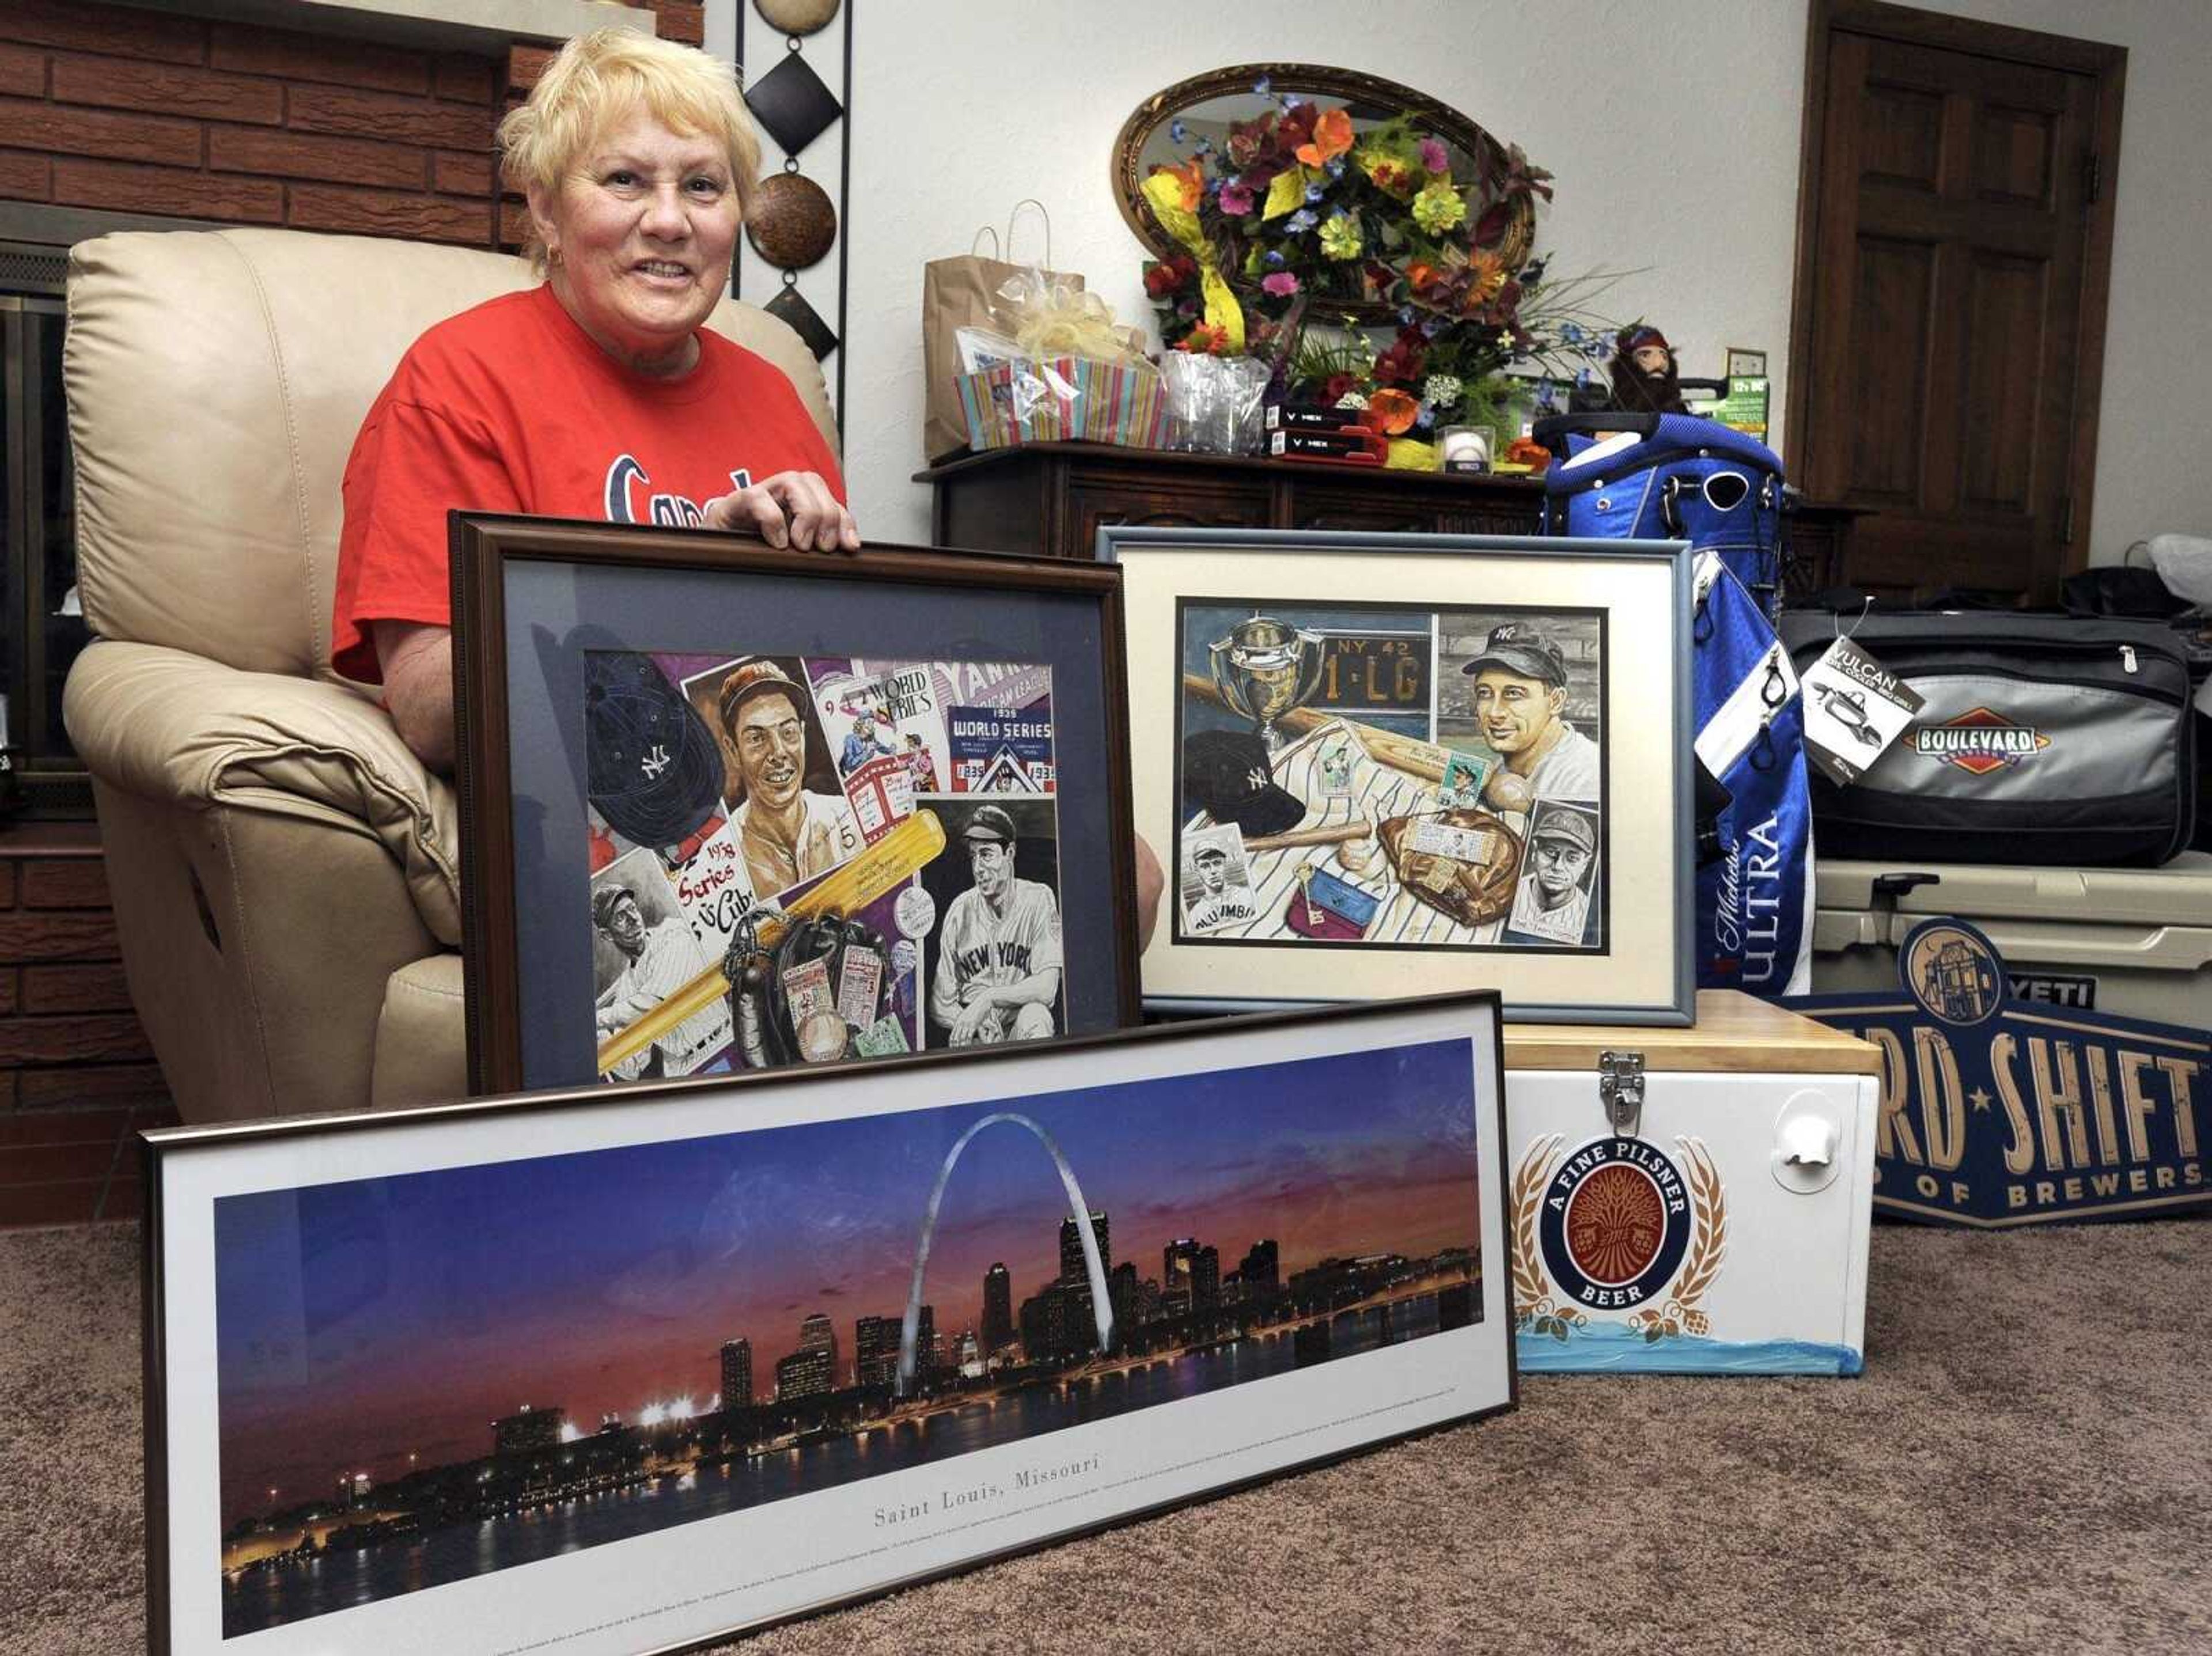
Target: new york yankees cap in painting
1224, 773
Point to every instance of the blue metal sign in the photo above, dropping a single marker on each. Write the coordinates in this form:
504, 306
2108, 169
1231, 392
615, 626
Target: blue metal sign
2000, 1111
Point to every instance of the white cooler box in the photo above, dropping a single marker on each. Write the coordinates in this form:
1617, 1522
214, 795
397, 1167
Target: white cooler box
2134, 941
1691, 1201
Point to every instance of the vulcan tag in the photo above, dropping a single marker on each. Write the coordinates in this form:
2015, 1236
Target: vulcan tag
1854, 707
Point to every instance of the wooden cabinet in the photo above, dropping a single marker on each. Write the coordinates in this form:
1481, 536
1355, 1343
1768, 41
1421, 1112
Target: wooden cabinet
1053, 499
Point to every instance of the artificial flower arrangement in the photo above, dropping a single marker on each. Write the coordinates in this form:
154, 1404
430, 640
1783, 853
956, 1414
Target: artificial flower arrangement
1295, 212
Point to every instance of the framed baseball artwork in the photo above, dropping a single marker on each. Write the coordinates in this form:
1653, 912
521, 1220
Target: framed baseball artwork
1384, 765
727, 807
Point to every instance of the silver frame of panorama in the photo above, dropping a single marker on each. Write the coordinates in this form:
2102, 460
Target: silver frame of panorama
305, 1282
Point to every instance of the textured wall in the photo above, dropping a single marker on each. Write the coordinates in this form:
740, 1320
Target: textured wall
1673, 131
77, 1081
135, 111
143, 112
1673, 135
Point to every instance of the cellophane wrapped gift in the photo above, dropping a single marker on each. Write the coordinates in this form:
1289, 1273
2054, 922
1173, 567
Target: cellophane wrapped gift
1073, 374
1215, 403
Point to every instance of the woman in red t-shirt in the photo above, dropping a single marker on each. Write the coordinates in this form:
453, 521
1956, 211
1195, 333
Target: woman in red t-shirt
599, 394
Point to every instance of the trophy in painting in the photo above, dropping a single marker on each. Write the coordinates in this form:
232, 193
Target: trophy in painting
1264, 670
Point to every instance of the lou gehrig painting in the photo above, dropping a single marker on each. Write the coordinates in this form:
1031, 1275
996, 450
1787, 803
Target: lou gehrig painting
1376, 776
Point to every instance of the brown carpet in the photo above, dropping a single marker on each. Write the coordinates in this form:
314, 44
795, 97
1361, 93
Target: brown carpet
2021, 1467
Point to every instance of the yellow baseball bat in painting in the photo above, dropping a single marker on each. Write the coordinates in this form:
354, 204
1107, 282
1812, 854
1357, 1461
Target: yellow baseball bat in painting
893, 859
1358, 829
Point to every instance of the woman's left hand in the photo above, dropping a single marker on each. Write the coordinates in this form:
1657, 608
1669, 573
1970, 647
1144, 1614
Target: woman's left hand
1151, 883
791, 508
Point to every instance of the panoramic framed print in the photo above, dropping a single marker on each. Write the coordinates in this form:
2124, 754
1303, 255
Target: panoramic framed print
1378, 765
726, 807
602, 1374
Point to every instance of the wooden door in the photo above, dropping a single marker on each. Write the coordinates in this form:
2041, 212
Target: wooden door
1948, 344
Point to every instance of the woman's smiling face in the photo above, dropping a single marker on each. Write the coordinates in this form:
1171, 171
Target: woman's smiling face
640, 236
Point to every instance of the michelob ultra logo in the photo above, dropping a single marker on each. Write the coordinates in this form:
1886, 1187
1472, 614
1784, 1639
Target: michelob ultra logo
1978, 743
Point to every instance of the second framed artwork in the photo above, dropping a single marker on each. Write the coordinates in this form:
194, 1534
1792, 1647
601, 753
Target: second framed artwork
727, 807
1382, 765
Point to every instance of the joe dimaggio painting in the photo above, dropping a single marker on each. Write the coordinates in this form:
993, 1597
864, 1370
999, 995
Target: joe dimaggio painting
858, 856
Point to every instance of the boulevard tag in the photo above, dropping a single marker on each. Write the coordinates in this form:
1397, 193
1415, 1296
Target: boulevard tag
1855, 709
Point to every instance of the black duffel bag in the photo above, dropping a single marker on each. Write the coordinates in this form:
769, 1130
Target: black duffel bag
2046, 739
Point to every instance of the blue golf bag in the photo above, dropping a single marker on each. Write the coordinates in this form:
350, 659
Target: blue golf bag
1677, 476
1670, 477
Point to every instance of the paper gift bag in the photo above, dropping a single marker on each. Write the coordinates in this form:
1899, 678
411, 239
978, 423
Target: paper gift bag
964, 292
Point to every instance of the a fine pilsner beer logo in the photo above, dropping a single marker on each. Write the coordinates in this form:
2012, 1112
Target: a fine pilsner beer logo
1978, 743
1619, 1227
1615, 1223
2000, 1110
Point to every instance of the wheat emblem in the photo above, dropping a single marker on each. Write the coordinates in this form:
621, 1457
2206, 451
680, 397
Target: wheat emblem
1680, 1314
1537, 1312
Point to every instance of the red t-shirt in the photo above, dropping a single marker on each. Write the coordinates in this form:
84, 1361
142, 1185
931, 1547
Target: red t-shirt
511, 407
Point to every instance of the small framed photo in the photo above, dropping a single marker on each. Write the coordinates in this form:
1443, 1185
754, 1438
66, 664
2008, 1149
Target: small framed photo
611, 1374
1381, 765
1744, 364
729, 807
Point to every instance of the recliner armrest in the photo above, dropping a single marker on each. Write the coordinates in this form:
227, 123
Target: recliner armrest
176, 727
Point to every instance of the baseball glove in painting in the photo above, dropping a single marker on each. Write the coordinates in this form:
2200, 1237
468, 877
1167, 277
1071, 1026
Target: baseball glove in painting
1461, 863
779, 1018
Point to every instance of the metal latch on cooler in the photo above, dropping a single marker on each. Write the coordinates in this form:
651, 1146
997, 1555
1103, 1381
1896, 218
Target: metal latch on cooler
1621, 1089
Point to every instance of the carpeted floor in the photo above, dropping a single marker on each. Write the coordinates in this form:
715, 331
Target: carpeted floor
2022, 1466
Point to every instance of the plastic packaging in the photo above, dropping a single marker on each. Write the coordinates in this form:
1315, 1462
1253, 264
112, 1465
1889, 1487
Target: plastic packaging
1048, 321
1215, 403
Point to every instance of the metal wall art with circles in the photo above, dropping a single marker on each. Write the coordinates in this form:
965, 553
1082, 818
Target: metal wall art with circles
795, 221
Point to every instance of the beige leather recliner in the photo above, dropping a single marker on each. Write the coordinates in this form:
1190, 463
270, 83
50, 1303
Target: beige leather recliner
285, 874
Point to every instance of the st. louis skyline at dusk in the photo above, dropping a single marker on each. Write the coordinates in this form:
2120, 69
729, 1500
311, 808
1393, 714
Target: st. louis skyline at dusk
374, 1325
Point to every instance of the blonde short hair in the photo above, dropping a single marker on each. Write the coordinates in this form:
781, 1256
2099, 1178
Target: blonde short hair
600, 76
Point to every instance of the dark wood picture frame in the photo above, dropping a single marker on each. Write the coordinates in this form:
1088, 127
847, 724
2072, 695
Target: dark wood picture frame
187, 1169
487, 549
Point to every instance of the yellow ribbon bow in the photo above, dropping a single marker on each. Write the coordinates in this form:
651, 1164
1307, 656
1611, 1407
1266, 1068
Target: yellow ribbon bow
1051, 319
1164, 191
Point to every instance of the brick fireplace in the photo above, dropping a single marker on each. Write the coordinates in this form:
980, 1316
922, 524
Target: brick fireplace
112, 116
133, 111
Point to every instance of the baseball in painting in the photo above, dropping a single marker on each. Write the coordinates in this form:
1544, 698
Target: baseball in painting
1362, 776
727, 807
600, 1374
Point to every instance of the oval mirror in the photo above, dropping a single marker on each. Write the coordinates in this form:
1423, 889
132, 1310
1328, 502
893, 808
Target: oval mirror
1206, 106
